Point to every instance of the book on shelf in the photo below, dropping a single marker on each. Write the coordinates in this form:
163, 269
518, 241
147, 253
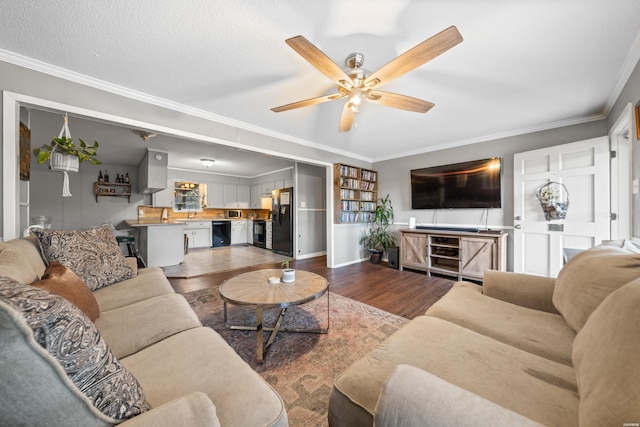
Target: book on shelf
368, 175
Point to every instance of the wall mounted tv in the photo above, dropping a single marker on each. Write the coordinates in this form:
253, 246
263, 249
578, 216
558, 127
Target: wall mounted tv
475, 184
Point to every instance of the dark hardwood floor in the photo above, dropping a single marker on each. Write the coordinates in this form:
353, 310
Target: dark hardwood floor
404, 293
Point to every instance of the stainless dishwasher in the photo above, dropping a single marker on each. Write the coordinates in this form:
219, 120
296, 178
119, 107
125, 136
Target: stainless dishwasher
221, 231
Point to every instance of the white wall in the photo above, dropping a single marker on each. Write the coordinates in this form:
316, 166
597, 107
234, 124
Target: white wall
311, 210
631, 94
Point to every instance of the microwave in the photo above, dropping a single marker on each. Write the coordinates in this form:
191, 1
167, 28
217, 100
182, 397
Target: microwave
234, 214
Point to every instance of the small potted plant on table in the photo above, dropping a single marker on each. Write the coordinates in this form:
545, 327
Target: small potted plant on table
288, 274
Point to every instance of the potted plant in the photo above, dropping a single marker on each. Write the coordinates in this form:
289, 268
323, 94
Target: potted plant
378, 238
288, 274
65, 155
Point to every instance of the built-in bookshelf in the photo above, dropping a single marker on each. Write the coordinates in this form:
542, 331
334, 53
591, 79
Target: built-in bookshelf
355, 194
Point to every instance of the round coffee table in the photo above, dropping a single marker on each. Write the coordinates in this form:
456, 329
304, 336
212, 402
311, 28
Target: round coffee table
253, 289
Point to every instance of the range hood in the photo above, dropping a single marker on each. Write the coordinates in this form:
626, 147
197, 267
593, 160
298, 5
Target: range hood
152, 172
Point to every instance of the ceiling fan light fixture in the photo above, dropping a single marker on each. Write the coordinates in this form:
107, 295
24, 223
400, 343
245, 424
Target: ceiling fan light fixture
207, 162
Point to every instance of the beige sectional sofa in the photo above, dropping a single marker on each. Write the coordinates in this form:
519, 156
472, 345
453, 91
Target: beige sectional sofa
186, 373
519, 350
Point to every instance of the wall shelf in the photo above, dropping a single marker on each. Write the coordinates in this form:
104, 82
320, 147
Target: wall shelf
105, 189
355, 194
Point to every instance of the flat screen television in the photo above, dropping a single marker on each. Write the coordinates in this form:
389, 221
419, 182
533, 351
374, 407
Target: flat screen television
475, 184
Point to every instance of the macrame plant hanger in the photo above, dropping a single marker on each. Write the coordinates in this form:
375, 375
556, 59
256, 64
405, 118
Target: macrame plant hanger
64, 162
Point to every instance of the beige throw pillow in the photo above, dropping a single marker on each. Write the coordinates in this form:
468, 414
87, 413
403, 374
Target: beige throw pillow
605, 358
589, 277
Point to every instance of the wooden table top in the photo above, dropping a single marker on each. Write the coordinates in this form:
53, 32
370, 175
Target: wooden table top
253, 288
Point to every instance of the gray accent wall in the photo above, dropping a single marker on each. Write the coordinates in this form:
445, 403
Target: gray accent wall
394, 177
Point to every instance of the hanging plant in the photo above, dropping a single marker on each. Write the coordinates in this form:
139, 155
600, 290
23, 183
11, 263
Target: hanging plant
65, 146
64, 156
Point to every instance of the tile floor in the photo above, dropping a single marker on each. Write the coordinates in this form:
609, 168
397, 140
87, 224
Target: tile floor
214, 260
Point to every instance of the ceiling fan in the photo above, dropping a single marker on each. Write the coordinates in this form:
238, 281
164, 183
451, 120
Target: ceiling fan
357, 84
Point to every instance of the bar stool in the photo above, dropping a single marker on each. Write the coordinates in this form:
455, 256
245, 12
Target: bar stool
131, 248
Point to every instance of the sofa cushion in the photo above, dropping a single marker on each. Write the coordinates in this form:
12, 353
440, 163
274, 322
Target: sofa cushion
148, 283
93, 254
67, 335
589, 277
199, 359
145, 323
605, 356
535, 331
530, 385
409, 393
59, 280
21, 260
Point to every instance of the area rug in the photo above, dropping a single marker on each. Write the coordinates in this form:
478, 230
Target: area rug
301, 367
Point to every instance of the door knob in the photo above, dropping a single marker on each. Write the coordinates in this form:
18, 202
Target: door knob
518, 218
517, 226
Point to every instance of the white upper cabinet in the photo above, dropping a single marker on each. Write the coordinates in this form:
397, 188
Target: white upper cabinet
244, 196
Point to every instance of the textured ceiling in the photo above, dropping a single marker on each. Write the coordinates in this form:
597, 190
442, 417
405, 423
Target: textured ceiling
523, 65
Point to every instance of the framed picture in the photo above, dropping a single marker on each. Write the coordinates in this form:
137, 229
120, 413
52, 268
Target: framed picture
25, 148
638, 120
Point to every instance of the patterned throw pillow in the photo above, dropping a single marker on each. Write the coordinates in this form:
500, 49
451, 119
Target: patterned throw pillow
93, 254
73, 340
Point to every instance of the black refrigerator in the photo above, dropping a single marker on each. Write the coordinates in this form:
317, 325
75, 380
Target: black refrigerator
282, 221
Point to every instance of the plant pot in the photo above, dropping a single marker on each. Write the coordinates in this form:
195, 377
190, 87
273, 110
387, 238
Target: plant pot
64, 162
375, 256
288, 275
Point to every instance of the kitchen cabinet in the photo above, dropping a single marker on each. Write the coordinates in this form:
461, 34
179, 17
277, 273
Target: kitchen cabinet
216, 199
236, 196
267, 188
230, 195
250, 231
161, 245
238, 232
199, 234
255, 194
164, 198
244, 196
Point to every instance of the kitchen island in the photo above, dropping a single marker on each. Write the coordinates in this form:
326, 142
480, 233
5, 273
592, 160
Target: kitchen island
160, 243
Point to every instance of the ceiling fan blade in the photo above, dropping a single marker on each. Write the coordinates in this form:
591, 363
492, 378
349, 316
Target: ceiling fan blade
318, 59
402, 102
415, 57
346, 119
308, 102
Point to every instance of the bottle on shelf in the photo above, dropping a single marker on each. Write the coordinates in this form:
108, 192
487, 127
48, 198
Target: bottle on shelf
126, 178
117, 178
106, 176
100, 177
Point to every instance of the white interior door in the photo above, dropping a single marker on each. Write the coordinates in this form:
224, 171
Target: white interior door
583, 167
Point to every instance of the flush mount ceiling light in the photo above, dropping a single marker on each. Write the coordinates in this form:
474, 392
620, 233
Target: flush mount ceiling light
207, 162
143, 134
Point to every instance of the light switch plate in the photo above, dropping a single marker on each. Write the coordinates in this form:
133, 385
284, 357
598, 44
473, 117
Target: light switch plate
635, 186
